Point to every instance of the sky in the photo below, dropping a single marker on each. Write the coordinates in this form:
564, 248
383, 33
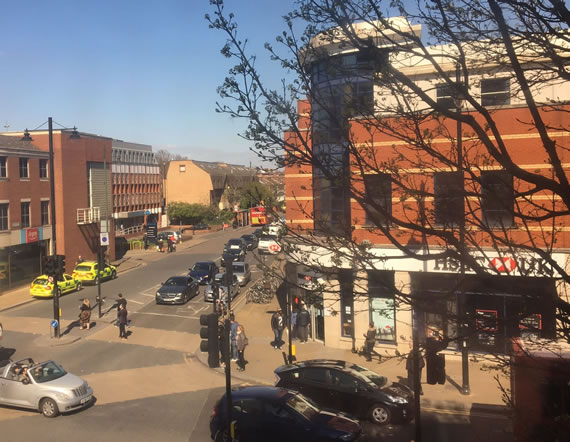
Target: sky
142, 71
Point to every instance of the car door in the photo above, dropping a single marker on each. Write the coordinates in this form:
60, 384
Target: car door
17, 393
344, 392
281, 422
315, 384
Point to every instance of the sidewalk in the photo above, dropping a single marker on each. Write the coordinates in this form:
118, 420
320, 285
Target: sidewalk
263, 359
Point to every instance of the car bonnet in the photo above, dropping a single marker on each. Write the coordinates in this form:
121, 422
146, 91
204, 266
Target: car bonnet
66, 381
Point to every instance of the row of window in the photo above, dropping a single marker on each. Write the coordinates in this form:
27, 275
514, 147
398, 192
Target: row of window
135, 199
135, 178
25, 215
133, 156
24, 167
494, 92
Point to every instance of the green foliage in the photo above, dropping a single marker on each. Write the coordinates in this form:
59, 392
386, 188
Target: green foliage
185, 213
256, 193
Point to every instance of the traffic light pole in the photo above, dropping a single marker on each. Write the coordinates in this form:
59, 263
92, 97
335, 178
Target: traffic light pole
99, 267
55, 292
228, 343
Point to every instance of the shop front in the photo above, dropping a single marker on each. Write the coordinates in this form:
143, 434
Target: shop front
19, 264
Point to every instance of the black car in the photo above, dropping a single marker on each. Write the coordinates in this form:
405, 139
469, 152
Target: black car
349, 387
232, 255
200, 227
236, 243
204, 271
250, 241
259, 232
177, 290
274, 414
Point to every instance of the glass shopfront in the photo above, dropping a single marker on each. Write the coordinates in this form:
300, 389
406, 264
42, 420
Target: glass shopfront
20, 264
382, 305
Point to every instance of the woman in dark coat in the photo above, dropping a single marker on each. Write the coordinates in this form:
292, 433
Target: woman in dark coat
85, 315
122, 321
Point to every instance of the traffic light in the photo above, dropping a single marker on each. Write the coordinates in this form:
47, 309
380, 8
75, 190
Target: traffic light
49, 265
209, 334
60, 266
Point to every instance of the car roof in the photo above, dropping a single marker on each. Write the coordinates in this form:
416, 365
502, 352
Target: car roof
204, 262
87, 263
240, 263
262, 392
335, 363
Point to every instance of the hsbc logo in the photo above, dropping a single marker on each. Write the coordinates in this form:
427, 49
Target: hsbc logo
523, 265
506, 264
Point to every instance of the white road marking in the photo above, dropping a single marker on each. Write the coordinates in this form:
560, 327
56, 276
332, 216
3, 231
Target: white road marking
147, 294
136, 302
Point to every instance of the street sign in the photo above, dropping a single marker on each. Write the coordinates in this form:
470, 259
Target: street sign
104, 239
147, 212
274, 247
54, 323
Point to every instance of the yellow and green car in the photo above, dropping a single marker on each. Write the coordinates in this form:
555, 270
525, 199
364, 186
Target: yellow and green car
87, 272
41, 287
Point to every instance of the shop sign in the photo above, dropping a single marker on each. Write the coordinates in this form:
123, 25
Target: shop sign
32, 235
522, 265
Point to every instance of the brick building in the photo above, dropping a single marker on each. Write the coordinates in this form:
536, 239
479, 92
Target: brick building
521, 287
25, 222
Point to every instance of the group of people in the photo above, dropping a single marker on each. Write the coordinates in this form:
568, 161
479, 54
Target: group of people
300, 323
122, 315
238, 342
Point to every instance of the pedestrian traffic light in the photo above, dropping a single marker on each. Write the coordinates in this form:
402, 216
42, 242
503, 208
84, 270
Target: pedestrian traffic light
60, 266
209, 335
49, 265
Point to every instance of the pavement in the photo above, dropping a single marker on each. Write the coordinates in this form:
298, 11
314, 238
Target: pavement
484, 400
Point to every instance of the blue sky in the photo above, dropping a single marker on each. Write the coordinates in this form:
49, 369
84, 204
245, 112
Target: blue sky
137, 70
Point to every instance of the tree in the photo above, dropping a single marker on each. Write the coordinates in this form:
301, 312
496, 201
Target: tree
437, 104
256, 194
164, 157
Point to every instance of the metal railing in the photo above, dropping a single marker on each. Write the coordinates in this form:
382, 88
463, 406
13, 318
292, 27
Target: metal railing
88, 215
129, 230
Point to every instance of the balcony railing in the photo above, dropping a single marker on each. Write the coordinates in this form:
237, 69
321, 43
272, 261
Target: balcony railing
88, 216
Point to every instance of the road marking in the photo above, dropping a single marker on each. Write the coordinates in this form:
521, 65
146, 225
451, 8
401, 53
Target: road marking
146, 294
136, 302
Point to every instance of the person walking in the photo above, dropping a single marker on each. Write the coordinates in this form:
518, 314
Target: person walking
120, 302
277, 325
370, 341
85, 314
79, 260
303, 321
122, 321
410, 367
233, 336
241, 343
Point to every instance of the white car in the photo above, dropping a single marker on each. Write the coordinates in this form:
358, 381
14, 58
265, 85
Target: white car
268, 244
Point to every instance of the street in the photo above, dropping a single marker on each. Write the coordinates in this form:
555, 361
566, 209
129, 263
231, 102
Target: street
152, 386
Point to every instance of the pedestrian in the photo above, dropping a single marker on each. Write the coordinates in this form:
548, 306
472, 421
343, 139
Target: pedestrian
85, 314
370, 340
224, 344
121, 301
79, 260
294, 324
233, 336
303, 321
122, 321
410, 367
169, 244
277, 325
242, 342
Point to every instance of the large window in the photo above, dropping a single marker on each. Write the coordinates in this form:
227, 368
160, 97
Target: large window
346, 283
24, 168
44, 213
445, 96
3, 216
495, 92
378, 189
43, 168
497, 198
448, 198
25, 214
382, 305
3, 169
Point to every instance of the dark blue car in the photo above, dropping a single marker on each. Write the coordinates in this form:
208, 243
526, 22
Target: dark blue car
204, 272
276, 414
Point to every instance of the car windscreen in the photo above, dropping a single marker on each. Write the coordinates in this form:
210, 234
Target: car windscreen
303, 405
268, 238
201, 266
176, 281
81, 268
220, 278
41, 281
248, 237
233, 252
370, 376
239, 268
46, 372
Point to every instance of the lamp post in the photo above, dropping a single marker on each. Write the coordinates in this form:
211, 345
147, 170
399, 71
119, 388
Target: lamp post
55, 291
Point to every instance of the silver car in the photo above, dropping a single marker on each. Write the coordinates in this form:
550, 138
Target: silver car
220, 282
46, 387
242, 271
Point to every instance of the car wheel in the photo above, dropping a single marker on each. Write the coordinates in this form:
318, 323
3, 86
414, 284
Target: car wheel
220, 436
48, 407
379, 414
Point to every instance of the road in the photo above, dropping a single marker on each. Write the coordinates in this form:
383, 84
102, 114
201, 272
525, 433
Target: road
150, 387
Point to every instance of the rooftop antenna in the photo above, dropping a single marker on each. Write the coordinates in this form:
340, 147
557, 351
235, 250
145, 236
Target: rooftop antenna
6, 126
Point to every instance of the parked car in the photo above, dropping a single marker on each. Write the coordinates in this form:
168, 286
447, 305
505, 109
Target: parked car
177, 290
268, 244
232, 255
258, 232
87, 271
204, 271
41, 287
275, 414
242, 271
275, 229
220, 284
165, 234
45, 387
200, 227
236, 243
349, 387
250, 241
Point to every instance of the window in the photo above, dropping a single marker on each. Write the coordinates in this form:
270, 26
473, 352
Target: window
24, 168
497, 198
382, 305
343, 381
346, 302
182, 168
445, 96
44, 213
25, 214
448, 198
3, 216
378, 189
3, 169
318, 375
495, 92
43, 168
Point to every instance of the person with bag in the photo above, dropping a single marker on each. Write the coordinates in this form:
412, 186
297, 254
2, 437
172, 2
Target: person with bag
85, 315
241, 343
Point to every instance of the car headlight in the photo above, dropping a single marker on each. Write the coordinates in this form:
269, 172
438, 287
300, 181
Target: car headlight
396, 400
158, 294
63, 396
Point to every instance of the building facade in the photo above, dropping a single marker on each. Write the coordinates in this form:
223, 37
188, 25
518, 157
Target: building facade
25, 221
520, 291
